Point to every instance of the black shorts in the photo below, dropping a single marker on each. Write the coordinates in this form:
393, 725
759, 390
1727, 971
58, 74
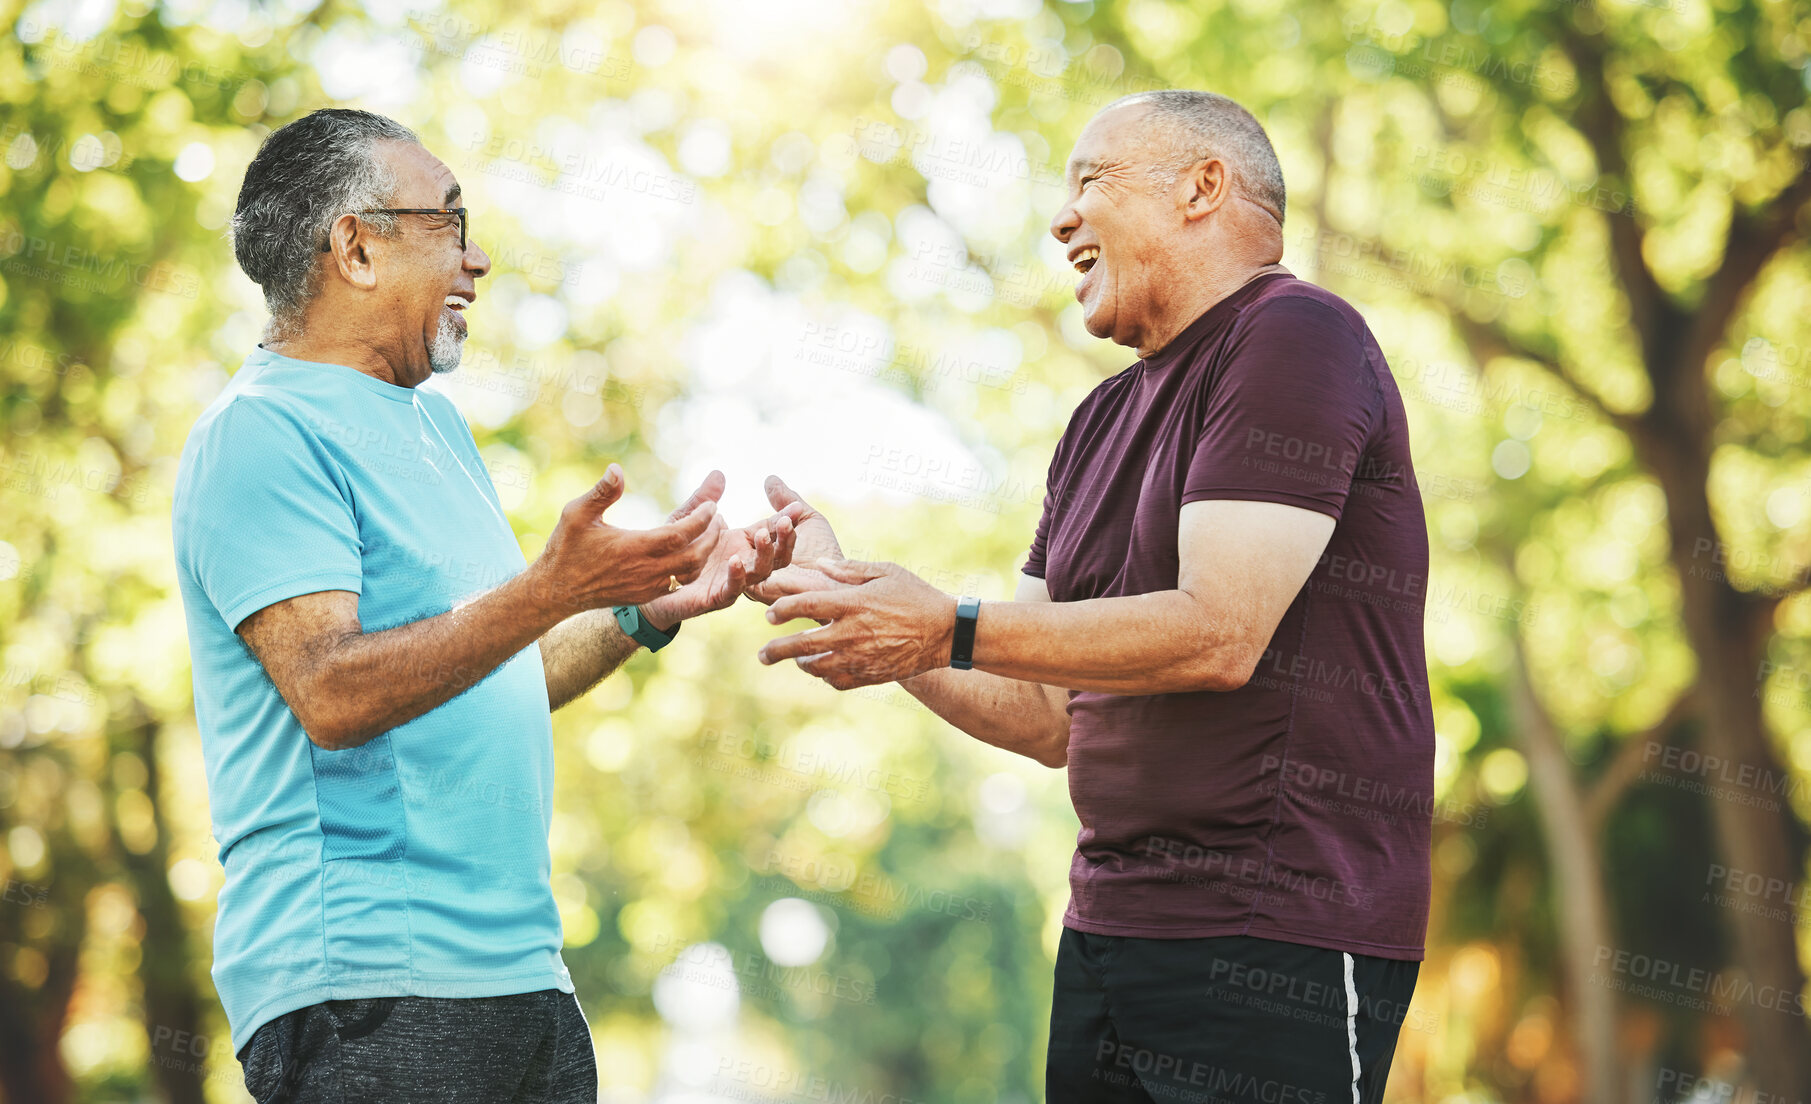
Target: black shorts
527, 1048
1222, 1020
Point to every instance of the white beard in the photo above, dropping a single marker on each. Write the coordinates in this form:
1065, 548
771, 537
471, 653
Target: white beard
443, 354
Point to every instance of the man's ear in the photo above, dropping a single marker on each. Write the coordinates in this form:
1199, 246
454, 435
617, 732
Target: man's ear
350, 241
1207, 185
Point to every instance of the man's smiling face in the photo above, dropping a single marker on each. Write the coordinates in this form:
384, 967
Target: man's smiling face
1117, 224
435, 280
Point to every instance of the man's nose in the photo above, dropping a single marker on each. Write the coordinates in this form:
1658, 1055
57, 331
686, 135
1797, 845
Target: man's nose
476, 261
1065, 224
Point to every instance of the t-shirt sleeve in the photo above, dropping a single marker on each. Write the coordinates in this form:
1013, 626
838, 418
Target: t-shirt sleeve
1036, 562
268, 515
1289, 417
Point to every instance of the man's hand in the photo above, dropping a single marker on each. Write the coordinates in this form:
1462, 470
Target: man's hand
588, 564
815, 541
743, 558
885, 624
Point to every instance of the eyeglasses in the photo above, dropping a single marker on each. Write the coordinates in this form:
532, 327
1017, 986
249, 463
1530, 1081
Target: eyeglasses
327, 247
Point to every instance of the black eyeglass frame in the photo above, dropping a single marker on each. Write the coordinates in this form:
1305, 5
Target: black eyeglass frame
327, 247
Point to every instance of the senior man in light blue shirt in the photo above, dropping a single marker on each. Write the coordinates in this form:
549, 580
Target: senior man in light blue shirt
375, 661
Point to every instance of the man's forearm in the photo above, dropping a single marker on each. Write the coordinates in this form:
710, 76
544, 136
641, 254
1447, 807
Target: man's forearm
581, 652
1159, 643
1022, 717
360, 685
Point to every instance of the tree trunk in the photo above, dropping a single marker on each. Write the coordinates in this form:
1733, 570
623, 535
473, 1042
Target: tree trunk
31, 1024
172, 1008
1580, 899
1729, 630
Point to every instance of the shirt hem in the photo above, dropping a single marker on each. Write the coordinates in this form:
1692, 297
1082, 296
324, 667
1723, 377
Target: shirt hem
1412, 953
444, 985
1281, 498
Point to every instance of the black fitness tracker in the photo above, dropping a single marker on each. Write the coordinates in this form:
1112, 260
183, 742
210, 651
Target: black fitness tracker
962, 648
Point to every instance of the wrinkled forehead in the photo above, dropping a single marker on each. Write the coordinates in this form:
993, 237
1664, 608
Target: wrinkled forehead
1116, 136
422, 180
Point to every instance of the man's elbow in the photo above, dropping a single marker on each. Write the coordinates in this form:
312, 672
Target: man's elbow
333, 730
1225, 668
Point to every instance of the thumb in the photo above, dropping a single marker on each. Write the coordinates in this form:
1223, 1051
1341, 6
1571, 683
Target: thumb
779, 495
600, 497
850, 571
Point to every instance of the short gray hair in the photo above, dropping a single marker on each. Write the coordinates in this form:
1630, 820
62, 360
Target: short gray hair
307, 174
1195, 126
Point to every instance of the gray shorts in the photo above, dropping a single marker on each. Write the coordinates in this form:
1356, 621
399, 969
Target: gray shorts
529, 1048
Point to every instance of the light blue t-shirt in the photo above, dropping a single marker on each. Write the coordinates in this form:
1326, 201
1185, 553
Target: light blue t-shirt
416, 864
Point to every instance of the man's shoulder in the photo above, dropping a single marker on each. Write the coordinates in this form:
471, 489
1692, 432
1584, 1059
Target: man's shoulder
1285, 301
252, 416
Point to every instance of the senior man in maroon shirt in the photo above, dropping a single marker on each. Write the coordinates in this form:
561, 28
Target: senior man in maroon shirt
1219, 631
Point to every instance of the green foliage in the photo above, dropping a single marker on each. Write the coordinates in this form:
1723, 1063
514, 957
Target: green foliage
714, 243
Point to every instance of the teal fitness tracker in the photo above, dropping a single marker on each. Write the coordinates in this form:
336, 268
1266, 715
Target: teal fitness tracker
637, 628
962, 648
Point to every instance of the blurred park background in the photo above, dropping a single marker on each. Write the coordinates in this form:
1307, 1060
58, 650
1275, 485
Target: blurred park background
809, 237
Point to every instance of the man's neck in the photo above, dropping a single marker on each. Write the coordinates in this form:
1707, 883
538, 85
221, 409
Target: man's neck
332, 349
1202, 295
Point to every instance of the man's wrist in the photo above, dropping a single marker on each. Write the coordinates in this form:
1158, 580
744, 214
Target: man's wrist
661, 616
545, 596
946, 640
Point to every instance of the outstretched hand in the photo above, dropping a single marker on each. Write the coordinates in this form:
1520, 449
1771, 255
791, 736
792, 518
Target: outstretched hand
816, 540
881, 623
741, 558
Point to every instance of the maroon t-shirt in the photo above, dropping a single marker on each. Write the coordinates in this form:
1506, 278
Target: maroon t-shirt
1297, 807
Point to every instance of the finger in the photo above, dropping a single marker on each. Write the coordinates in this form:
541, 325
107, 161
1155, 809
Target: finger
784, 537
819, 605
761, 558
809, 642
735, 580
792, 580
782, 496
603, 493
834, 669
711, 490
697, 556
852, 571
683, 531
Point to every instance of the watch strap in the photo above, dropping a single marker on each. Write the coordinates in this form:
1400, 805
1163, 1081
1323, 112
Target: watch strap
637, 628
962, 646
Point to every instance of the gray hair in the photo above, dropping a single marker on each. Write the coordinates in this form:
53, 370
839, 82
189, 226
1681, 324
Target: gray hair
1195, 126
307, 174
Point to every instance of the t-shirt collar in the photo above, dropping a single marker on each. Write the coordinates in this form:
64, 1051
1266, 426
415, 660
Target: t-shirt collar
1211, 319
371, 383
